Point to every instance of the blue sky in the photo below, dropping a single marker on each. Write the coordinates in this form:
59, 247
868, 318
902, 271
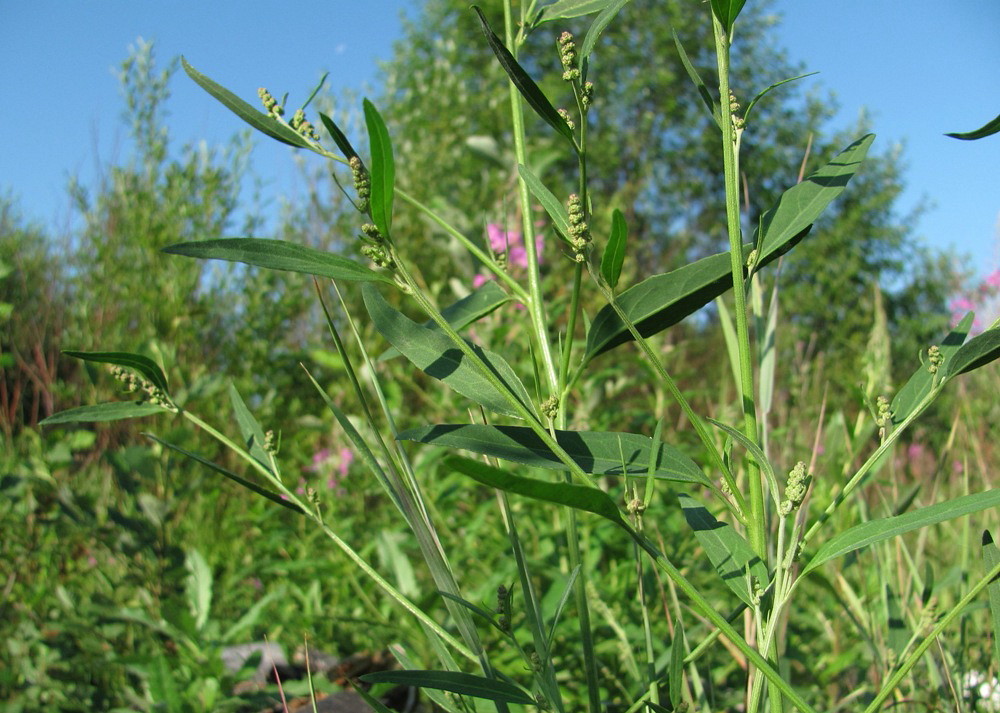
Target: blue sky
921, 68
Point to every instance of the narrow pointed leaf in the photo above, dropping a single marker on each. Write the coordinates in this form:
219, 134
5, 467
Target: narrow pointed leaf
567, 590
706, 96
663, 300
763, 92
753, 449
614, 252
579, 497
262, 122
474, 306
728, 550
464, 684
383, 169
869, 533
919, 384
435, 354
597, 27
567, 9
97, 413
991, 558
279, 255
552, 205
596, 452
137, 362
676, 667
727, 11
250, 429
249, 485
977, 352
338, 136
982, 132
524, 83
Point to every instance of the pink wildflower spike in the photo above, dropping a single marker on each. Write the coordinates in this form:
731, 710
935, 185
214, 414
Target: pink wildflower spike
518, 256
962, 304
498, 238
480, 280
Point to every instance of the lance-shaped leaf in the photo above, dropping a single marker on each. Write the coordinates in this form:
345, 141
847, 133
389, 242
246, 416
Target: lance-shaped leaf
597, 27
727, 11
991, 558
250, 428
873, 531
95, 413
580, 497
919, 384
262, 122
988, 129
552, 205
525, 84
977, 352
383, 169
731, 555
339, 137
474, 306
567, 9
663, 300
614, 253
596, 452
137, 362
279, 255
435, 354
696, 79
465, 684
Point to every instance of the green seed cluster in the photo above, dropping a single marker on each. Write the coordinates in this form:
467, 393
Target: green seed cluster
795, 489
136, 384
934, 359
567, 57
503, 608
734, 111
567, 118
587, 95
302, 126
270, 103
270, 444
375, 248
550, 407
883, 416
362, 182
579, 231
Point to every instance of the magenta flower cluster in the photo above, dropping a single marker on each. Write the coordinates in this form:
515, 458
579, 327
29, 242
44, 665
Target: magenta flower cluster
983, 299
511, 243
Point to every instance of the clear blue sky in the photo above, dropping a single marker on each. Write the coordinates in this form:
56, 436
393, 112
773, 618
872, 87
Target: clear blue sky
921, 68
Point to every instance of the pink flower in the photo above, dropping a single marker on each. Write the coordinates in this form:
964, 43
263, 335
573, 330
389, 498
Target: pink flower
961, 304
346, 458
914, 451
993, 279
480, 280
499, 239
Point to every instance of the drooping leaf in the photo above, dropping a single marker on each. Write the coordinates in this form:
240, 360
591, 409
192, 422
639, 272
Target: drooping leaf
580, 497
663, 300
991, 558
988, 129
434, 353
257, 119
727, 11
731, 555
339, 137
137, 362
249, 485
552, 205
919, 384
873, 531
95, 413
279, 255
383, 169
465, 684
524, 83
250, 429
597, 27
471, 308
977, 352
614, 253
596, 452
567, 9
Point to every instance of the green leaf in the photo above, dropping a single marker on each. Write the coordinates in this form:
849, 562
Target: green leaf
552, 205
273, 497
137, 362
567, 9
727, 11
991, 558
338, 136
763, 92
676, 667
598, 26
525, 84
869, 533
436, 355
279, 255
696, 79
580, 497
464, 684
383, 169
663, 300
753, 449
988, 129
919, 384
614, 252
198, 587
114, 411
728, 550
262, 122
977, 352
250, 429
596, 452
474, 306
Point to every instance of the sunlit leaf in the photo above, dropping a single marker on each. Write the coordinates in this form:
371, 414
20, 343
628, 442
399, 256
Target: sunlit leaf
597, 27
696, 79
987, 129
250, 429
567, 9
143, 365
464, 684
383, 169
338, 136
95, 413
552, 205
614, 252
279, 255
727, 11
977, 352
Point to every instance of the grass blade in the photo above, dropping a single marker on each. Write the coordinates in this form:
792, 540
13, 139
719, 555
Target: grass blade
464, 684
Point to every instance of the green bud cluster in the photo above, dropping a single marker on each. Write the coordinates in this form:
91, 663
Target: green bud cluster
734, 111
270, 444
567, 118
302, 126
567, 57
795, 490
270, 103
503, 608
587, 95
362, 182
375, 248
579, 231
550, 407
136, 384
883, 415
934, 359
